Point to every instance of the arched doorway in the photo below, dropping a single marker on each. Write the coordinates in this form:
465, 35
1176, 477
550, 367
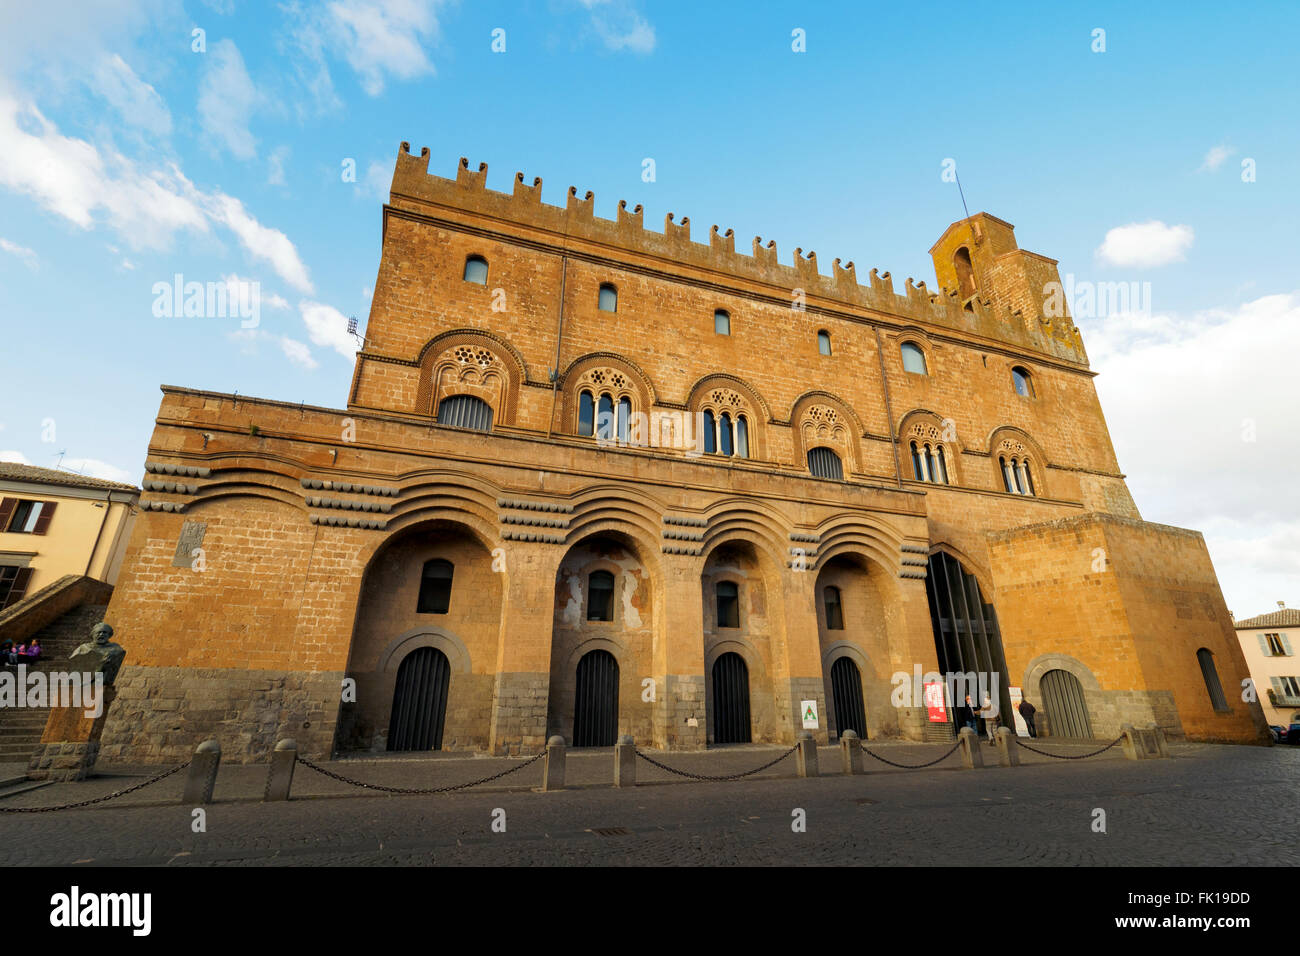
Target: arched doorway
967, 640
1067, 715
595, 714
731, 700
846, 687
420, 701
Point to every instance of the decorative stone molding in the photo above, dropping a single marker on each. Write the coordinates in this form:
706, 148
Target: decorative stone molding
800, 536
684, 535
176, 507
525, 505
185, 471
345, 505
511, 535
344, 521
170, 487
534, 522
689, 522
346, 487
680, 549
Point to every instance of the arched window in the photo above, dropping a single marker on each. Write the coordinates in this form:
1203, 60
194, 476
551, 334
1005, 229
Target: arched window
942, 474
918, 465
1023, 381
824, 342
913, 359
607, 301
728, 596
742, 436
586, 414
834, 612
722, 322
624, 416
435, 587
1206, 659
600, 596
1007, 480
465, 411
824, 463
725, 443
710, 433
932, 464
476, 270
965, 273
1028, 476
605, 417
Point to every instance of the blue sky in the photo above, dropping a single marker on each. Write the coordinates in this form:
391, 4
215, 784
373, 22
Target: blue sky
127, 157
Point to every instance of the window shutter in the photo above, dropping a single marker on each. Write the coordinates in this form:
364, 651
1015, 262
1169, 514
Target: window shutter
20, 587
1286, 645
7, 506
43, 520
1277, 685
1263, 645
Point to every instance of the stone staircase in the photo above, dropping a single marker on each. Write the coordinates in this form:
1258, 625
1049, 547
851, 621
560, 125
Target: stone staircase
21, 727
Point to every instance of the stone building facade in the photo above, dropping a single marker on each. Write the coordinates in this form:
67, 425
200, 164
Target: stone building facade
594, 479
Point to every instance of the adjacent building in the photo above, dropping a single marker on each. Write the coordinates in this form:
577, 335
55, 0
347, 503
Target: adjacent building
594, 479
1266, 642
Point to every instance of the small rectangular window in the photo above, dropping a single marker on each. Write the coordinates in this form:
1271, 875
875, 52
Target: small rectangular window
721, 322
25, 517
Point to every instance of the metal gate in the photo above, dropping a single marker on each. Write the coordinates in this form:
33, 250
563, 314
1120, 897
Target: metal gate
1067, 716
731, 700
846, 691
966, 635
420, 701
595, 713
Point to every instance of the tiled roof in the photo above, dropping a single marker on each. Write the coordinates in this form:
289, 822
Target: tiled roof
12, 471
1287, 617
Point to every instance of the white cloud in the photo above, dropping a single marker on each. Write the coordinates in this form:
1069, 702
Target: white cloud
262, 242
28, 256
620, 26
1201, 410
227, 99
94, 468
298, 353
14, 457
376, 38
1216, 157
1145, 244
73, 179
378, 180
328, 326
275, 166
135, 100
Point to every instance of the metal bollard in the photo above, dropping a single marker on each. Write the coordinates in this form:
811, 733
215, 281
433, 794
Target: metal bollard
279, 778
969, 742
625, 762
553, 777
1132, 742
201, 778
851, 752
1008, 752
807, 754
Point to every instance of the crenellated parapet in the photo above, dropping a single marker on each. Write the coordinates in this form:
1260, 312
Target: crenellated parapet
1006, 308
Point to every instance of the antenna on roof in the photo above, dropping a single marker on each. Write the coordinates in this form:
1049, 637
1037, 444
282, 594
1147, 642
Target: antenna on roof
352, 331
960, 193
59, 464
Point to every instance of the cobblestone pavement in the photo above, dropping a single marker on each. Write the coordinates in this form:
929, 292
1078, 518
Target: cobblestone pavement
1209, 805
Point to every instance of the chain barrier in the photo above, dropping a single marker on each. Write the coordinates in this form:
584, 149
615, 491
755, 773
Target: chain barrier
85, 803
418, 790
907, 766
704, 776
1071, 756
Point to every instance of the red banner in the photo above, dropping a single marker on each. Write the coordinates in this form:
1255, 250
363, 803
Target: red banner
934, 703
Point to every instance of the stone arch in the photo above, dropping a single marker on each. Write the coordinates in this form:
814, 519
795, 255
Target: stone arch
1052, 661
821, 420
630, 636
470, 362
388, 625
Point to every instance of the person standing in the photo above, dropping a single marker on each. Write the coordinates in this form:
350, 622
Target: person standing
990, 714
966, 714
1027, 711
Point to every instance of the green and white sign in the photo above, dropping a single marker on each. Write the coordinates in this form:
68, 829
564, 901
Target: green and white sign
809, 710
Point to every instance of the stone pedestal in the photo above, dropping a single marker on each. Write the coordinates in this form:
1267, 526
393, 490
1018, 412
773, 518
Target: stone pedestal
70, 744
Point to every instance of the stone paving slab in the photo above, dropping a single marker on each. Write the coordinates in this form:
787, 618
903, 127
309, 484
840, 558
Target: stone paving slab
1209, 805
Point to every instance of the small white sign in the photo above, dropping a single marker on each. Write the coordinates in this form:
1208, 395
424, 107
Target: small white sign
809, 711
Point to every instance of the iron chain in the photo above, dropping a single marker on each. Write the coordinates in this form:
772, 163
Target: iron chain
85, 803
1071, 756
418, 790
702, 776
919, 766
